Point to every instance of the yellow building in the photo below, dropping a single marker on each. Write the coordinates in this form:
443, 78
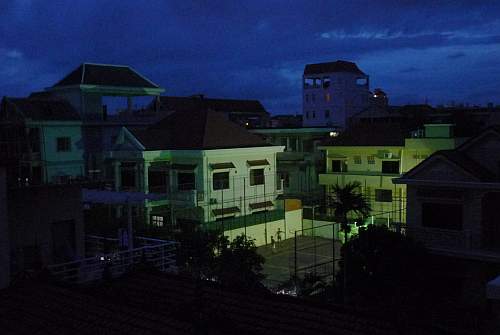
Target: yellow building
373, 154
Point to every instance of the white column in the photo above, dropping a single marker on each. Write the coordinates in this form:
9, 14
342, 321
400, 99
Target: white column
118, 175
145, 171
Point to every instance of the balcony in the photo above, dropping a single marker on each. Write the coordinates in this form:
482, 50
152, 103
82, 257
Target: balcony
111, 260
457, 243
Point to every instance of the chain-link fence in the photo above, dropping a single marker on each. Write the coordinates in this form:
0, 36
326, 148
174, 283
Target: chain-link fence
316, 250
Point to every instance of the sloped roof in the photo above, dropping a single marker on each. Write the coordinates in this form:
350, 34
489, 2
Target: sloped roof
329, 67
189, 104
467, 164
38, 109
174, 305
198, 130
105, 75
370, 134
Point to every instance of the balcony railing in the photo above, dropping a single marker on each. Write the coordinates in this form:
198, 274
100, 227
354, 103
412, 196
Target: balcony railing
442, 238
159, 254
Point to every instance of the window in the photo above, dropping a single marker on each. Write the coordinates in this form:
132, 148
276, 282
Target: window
314, 114
443, 216
307, 97
220, 181
383, 195
256, 177
307, 115
285, 176
186, 181
157, 221
63, 144
339, 165
390, 167
357, 159
328, 97
313, 97
327, 114
308, 82
326, 82
370, 159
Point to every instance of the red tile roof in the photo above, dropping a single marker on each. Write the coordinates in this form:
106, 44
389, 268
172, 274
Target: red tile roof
149, 303
42, 109
200, 130
194, 103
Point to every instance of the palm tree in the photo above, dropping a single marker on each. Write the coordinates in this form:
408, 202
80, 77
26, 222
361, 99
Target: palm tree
347, 201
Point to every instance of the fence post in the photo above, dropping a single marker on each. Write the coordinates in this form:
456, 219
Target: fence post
295, 257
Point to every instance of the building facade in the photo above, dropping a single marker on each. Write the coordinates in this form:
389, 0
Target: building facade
373, 155
333, 92
453, 198
48, 136
301, 162
211, 173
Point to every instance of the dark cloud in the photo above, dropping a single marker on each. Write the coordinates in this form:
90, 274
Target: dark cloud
250, 49
456, 55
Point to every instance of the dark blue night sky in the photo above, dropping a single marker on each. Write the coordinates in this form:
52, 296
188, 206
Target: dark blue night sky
440, 50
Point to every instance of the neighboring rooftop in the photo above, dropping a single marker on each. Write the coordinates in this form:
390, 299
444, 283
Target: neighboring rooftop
197, 130
194, 103
176, 305
467, 164
106, 75
330, 67
38, 109
370, 134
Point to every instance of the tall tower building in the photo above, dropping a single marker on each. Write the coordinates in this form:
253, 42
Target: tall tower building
333, 92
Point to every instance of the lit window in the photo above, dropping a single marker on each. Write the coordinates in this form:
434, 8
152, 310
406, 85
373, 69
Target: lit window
371, 159
328, 97
157, 221
63, 144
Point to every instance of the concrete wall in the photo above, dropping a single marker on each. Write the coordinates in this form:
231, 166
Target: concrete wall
34, 214
346, 98
262, 233
4, 234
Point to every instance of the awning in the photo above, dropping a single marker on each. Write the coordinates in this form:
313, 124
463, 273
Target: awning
258, 162
112, 197
259, 205
221, 166
225, 211
177, 166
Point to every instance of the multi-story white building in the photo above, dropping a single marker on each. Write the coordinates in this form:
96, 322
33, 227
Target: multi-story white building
203, 171
333, 92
